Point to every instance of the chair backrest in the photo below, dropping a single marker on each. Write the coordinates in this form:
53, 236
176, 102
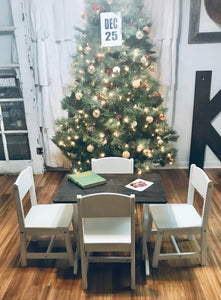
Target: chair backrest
23, 185
199, 181
102, 205
112, 165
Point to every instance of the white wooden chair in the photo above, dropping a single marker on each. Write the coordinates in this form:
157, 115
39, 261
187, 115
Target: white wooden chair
180, 219
112, 165
106, 224
41, 219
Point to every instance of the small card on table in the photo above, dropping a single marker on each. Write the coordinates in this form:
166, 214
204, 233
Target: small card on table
139, 185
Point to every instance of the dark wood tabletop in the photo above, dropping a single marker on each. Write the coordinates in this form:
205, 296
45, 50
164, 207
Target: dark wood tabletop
68, 191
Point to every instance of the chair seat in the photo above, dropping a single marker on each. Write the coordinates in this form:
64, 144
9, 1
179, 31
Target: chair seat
49, 216
172, 216
107, 230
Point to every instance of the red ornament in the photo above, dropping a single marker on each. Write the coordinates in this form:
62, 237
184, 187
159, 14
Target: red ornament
147, 56
132, 23
108, 71
99, 59
98, 7
118, 117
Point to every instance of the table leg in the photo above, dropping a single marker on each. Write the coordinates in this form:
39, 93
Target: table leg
144, 239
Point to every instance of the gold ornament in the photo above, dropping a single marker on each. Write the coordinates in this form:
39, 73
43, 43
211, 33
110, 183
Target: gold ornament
126, 154
151, 68
136, 83
116, 69
126, 68
162, 117
91, 69
139, 35
146, 29
149, 119
147, 152
90, 128
87, 50
96, 113
78, 95
100, 55
90, 148
102, 155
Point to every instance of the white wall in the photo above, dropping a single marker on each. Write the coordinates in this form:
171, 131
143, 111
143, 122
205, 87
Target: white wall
192, 58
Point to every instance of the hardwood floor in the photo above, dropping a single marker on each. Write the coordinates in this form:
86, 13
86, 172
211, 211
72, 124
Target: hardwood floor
47, 280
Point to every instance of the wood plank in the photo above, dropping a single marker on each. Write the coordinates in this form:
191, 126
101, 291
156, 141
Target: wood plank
54, 279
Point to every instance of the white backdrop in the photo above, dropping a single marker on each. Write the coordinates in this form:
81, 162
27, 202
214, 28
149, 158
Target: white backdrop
52, 32
165, 18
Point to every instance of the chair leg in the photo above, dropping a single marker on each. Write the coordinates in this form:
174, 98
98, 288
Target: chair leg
84, 267
23, 249
203, 248
76, 236
149, 227
157, 248
133, 281
69, 248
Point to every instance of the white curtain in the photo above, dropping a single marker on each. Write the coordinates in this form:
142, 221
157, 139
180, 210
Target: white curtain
52, 31
165, 18
53, 43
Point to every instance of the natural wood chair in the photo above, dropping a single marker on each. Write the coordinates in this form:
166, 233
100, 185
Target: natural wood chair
180, 219
106, 224
41, 219
112, 165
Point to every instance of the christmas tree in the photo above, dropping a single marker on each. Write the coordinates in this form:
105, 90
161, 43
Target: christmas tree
114, 107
